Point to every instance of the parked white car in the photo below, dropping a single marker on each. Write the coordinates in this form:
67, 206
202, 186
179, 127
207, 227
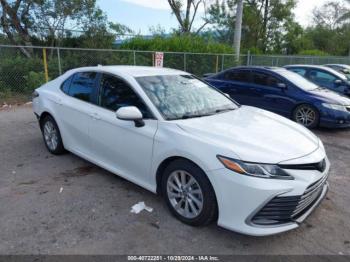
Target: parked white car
250, 170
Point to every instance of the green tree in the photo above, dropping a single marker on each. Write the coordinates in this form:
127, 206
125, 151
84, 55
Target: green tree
16, 21
265, 22
186, 12
46, 21
330, 32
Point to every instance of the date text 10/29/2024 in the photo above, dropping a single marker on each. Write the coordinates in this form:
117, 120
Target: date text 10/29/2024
173, 258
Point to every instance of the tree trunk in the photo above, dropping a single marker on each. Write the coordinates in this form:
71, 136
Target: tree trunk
238, 29
11, 21
265, 20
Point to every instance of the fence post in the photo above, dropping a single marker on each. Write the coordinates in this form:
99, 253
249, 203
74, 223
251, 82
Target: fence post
248, 58
222, 62
185, 66
134, 57
59, 61
45, 65
217, 64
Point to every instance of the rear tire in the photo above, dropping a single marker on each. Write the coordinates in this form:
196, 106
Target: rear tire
188, 193
51, 135
306, 115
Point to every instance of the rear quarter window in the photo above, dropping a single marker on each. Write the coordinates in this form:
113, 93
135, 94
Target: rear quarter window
300, 71
66, 84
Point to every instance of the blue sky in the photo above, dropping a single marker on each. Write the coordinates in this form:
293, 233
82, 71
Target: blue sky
136, 16
140, 15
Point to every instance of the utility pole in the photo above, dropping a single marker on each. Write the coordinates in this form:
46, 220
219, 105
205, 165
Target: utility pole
238, 29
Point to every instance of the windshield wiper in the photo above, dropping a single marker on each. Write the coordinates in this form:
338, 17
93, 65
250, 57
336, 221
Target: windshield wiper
224, 110
186, 116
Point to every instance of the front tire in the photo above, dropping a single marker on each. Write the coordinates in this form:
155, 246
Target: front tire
306, 115
188, 193
52, 135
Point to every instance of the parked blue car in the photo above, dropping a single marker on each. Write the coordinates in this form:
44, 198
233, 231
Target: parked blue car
285, 93
324, 76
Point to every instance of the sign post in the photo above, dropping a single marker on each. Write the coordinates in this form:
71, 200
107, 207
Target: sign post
159, 58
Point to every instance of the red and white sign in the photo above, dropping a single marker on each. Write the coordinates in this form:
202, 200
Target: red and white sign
159, 57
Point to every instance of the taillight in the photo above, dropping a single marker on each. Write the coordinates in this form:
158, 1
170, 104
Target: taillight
35, 94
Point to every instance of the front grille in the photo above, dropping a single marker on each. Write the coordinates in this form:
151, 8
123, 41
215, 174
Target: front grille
281, 210
320, 166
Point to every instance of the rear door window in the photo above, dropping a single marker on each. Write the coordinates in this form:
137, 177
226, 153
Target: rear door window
237, 75
83, 87
263, 79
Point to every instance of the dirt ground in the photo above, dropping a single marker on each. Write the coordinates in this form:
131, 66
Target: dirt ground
65, 205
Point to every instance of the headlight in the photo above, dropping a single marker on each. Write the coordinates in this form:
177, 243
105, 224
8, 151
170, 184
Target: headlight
335, 107
253, 169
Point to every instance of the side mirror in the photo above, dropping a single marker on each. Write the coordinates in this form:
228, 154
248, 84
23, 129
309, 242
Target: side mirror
131, 113
282, 86
347, 91
208, 75
338, 82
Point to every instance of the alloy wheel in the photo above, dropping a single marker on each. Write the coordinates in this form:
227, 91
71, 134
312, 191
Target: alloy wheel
185, 194
50, 135
305, 115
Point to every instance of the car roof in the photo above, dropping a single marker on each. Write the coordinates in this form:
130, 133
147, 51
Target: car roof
342, 66
325, 68
336, 65
308, 66
133, 71
257, 67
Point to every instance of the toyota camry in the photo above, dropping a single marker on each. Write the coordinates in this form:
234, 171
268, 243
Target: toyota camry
247, 169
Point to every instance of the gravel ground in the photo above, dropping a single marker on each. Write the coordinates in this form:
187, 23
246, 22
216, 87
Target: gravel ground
65, 205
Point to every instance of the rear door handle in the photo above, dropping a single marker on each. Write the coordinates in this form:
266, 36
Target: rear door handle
58, 101
95, 116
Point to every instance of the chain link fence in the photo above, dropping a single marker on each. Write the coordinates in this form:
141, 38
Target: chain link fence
279, 60
20, 74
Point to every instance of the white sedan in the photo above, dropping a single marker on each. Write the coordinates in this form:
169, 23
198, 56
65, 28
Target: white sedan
211, 159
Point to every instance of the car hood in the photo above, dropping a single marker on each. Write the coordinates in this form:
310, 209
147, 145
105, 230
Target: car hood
329, 96
253, 134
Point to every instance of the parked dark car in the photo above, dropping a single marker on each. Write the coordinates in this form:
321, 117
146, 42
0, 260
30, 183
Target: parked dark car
323, 76
341, 68
285, 93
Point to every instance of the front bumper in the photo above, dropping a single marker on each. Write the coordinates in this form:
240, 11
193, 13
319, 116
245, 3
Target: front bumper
241, 197
334, 118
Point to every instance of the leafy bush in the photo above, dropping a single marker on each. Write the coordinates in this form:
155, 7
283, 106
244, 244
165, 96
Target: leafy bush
313, 52
14, 72
193, 61
191, 44
34, 80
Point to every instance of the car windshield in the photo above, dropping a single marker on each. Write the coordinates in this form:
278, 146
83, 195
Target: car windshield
298, 80
184, 96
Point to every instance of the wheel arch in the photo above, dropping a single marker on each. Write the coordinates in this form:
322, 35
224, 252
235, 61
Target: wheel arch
43, 115
162, 166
